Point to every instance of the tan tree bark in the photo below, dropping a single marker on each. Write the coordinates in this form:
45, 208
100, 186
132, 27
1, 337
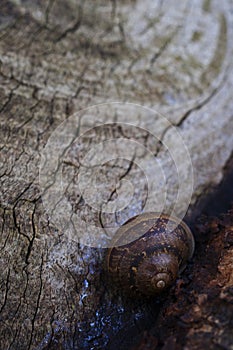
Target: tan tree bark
57, 58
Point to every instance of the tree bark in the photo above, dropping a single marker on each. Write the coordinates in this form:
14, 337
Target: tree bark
167, 67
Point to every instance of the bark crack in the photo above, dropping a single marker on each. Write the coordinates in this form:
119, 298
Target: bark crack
37, 304
187, 114
7, 286
74, 27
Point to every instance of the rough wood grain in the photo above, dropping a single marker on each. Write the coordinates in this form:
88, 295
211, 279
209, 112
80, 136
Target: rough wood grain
56, 58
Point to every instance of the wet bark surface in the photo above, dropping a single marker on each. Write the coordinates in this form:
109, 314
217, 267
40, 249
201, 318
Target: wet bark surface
57, 58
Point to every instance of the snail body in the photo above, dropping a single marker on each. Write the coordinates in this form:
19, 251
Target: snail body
152, 262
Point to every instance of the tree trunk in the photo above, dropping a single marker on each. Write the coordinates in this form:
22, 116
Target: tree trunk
107, 109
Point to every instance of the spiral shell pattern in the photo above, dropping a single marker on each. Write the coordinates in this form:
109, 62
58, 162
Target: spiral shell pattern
152, 262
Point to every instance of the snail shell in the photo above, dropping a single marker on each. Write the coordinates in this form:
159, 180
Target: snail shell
152, 262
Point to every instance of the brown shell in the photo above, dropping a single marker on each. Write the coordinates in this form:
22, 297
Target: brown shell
152, 262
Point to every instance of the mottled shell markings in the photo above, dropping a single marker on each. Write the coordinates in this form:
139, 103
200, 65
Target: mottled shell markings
151, 263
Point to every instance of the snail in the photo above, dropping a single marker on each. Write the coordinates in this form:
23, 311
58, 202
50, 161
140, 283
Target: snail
150, 263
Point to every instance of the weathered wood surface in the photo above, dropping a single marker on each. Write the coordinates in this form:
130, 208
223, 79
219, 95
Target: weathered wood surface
56, 58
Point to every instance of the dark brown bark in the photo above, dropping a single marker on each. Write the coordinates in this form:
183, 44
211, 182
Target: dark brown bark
198, 312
